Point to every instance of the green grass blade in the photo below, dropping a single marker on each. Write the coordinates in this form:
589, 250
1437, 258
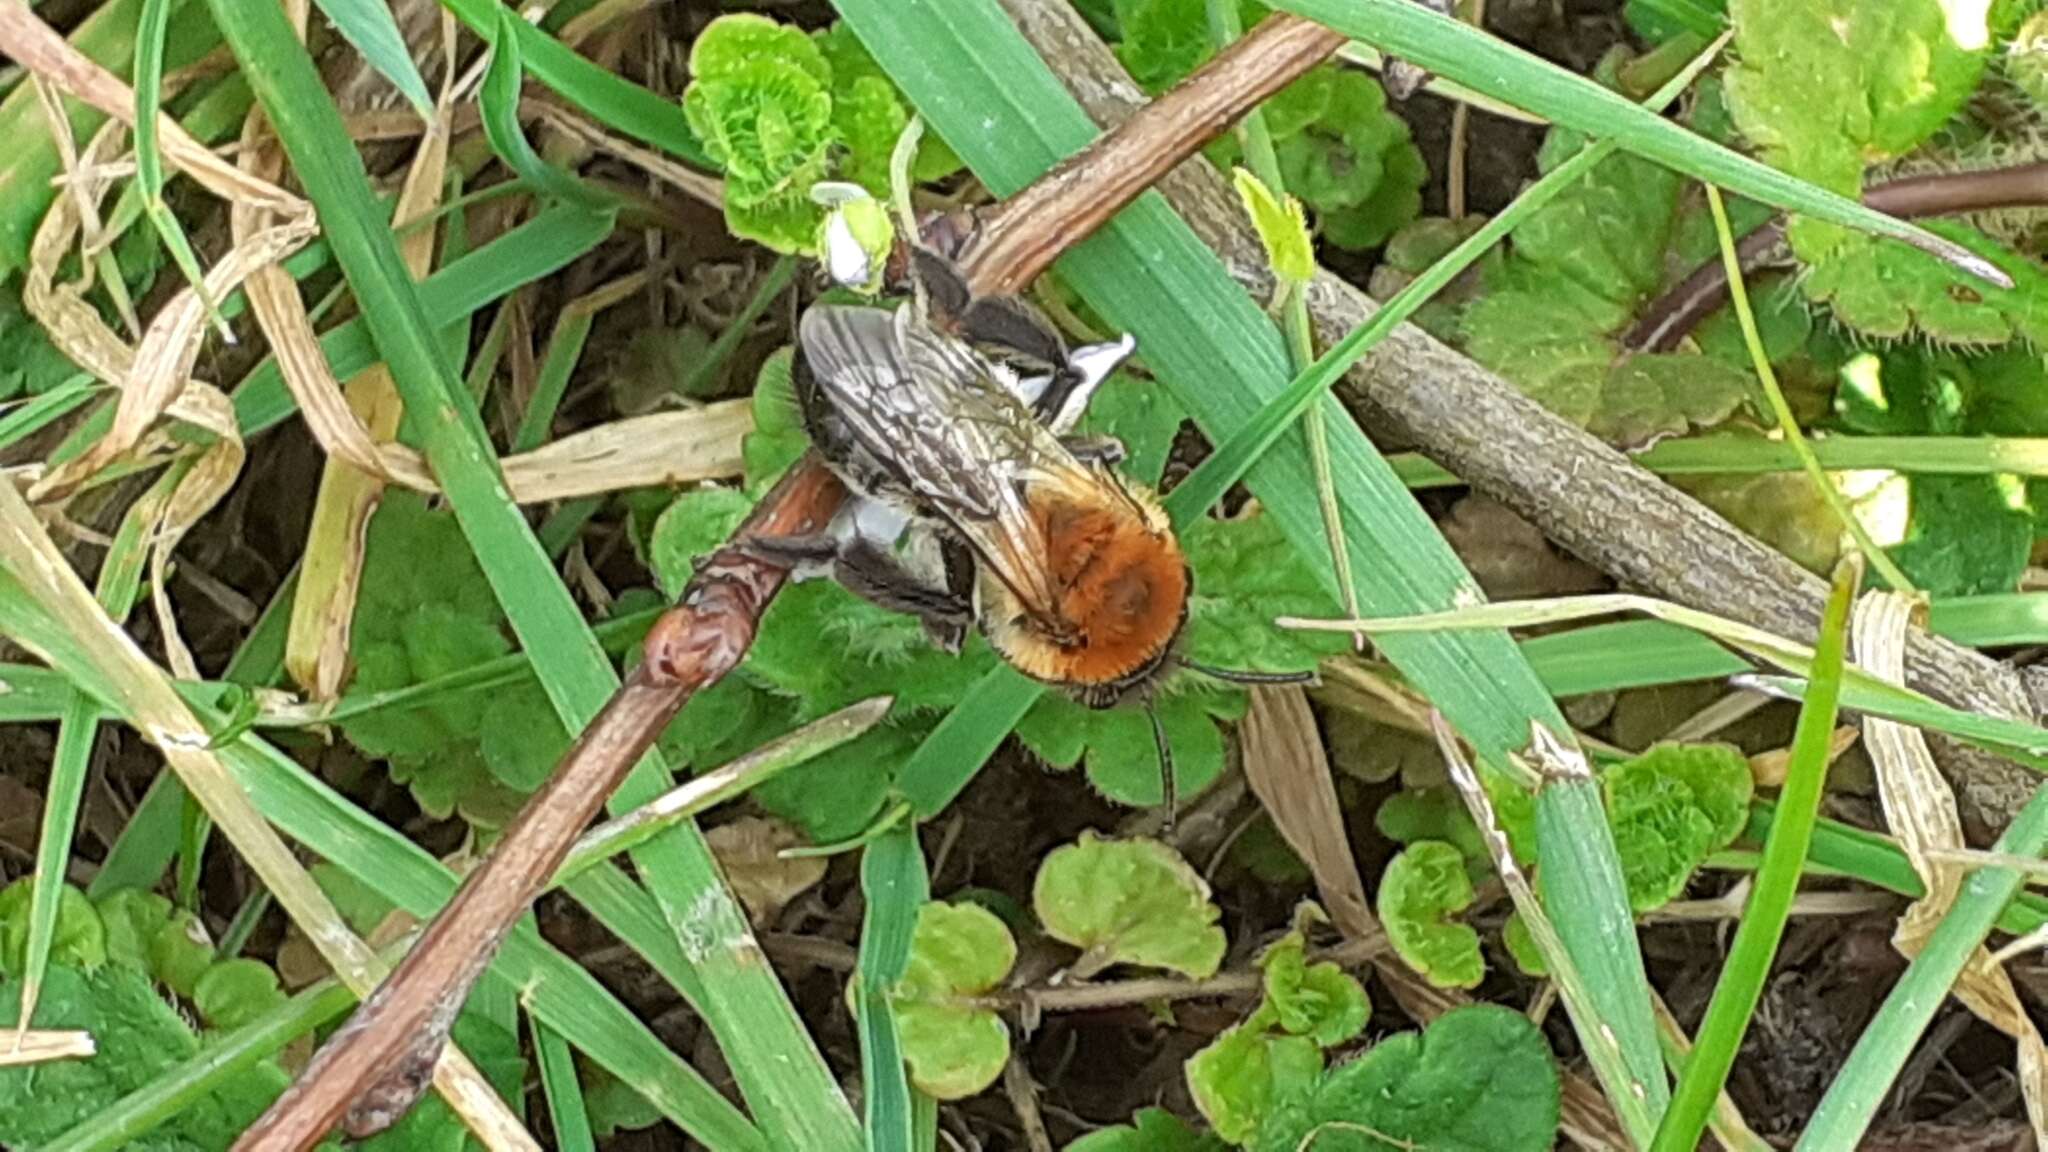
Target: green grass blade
777, 1065
2015, 739
567, 1115
369, 26
949, 755
969, 72
611, 100
551, 985
499, 102
1741, 984
1214, 476
1490, 65
1874, 1064
565, 348
894, 883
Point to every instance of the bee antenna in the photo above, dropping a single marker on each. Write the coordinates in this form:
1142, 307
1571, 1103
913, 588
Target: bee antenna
1245, 676
1169, 787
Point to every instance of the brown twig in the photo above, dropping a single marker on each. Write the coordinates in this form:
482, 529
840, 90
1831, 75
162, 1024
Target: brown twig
1667, 320
372, 1068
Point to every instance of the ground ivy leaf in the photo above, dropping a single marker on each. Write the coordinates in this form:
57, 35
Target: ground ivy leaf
236, 991
1521, 944
1826, 87
520, 737
836, 795
1413, 815
1480, 1078
1422, 886
1245, 1074
955, 1048
1144, 418
1238, 591
1129, 902
1151, 1130
1671, 807
1649, 396
80, 937
1892, 291
760, 100
1320, 1001
133, 917
696, 523
139, 1038
1966, 537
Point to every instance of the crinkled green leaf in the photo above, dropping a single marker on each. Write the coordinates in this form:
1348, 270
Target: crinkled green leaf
828, 648
139, 1037
1413, 815
1521, 944
1320, 1001
1244, 577
760, 101
234, 992
1826, 87
1422, 887
1144, 418
734, 44
1481, 1078
1129, 902
869, 117
1281, 226
839, 793
851, 65
613, 1105
1892, 291
778, 436
1671, 807
1120, 748
132, 917
80, 939
1355, 163
1245, 1074
1968, 536
1151, 1130
955, 1048
693, 526
520, 737
181, 952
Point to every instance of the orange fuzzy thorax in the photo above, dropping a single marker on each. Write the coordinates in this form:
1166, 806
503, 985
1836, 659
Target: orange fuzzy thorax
1120, 595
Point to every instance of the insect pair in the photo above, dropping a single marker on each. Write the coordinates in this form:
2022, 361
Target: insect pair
951, 421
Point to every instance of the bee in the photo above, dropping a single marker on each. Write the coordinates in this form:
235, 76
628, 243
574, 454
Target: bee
950, 419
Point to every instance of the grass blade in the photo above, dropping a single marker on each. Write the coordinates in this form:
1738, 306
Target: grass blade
969, 72
1741, 984
1490, 65
778, 1067
369, 26
893, 880
500, 104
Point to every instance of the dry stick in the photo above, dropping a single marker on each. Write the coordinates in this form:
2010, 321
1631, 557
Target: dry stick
1585, 495
371, 1066
1667, 319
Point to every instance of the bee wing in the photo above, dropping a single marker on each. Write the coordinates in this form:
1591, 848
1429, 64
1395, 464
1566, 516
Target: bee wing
933, 411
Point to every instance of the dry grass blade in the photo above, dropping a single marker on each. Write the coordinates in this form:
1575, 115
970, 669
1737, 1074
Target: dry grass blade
367, 415
663, 448
1285, 765
39, 1046
109, 659
1921, 811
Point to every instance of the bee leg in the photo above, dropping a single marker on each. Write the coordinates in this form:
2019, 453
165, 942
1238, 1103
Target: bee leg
944, 284
807, 557
1066, 398
879, 578
1107, 451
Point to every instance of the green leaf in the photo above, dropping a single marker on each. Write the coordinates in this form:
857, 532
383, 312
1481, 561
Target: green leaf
1282, 228
29, 363
955, 1047
1151, 1130
1521, 944
1320, 1001
1968, 535
693, 526
1129, 902
1238, 591
132, 917
760, 100
1480, 1078
1890, 291
1671, 807
1436, 813
1144, 418
372, 29
181, 952
1422, 886
81, 936
1120, 749
1828, 86
231, 993
778, 436
1243, 1076
838, 794
499, 100
852, 67
1354, 162
138, 1037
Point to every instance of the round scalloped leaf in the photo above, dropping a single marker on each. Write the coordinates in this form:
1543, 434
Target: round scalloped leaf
737, 42
133, 917
1129, 902
1424, 885
696, 523
954, 1047
1320, 1001
1671, 807
1151, 1130
1521, 944
1481, 1079
234, 992
80, 938
1245, 1074
181, 952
